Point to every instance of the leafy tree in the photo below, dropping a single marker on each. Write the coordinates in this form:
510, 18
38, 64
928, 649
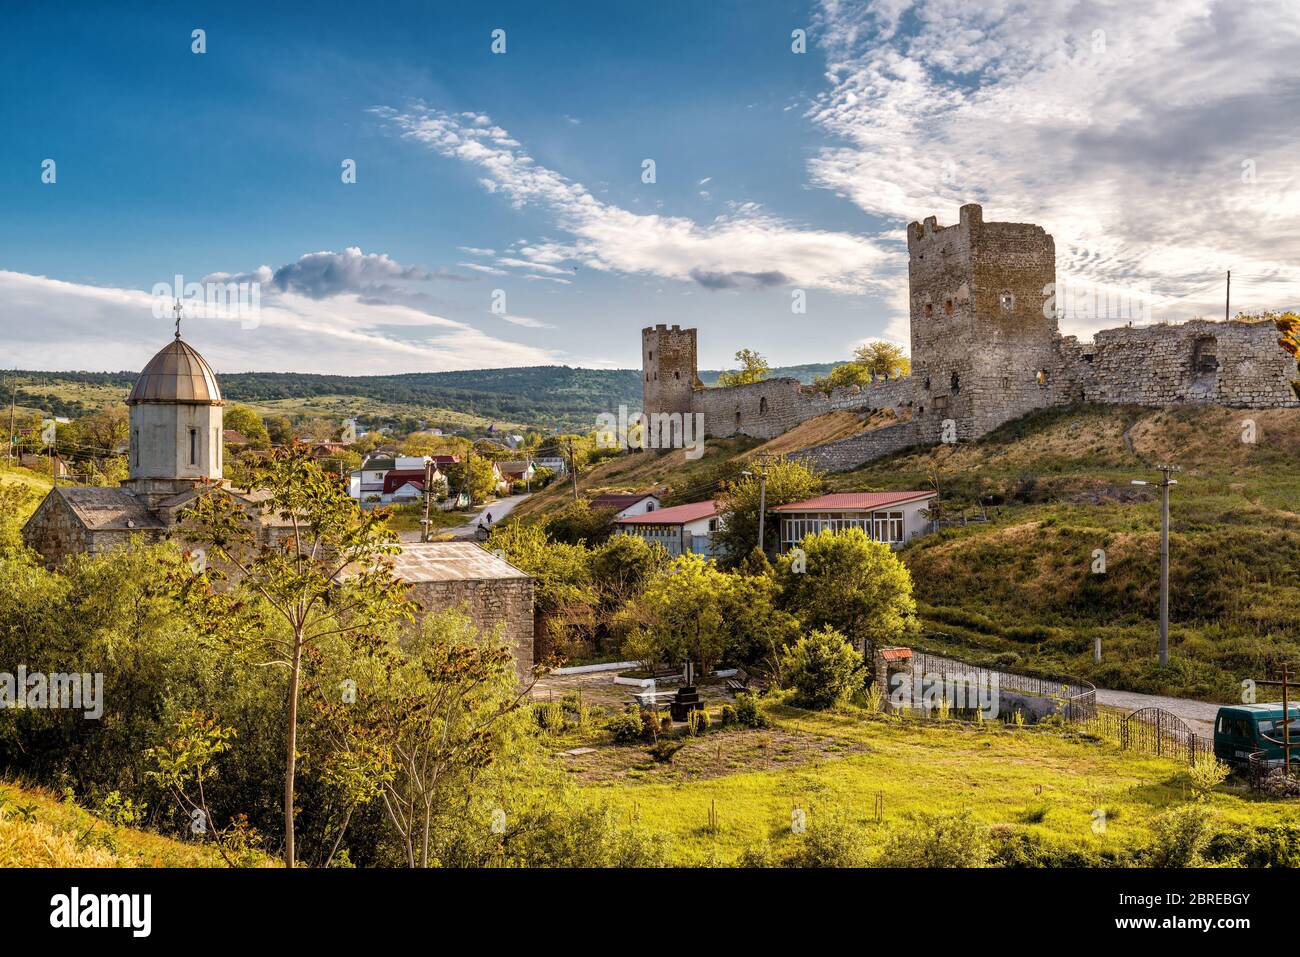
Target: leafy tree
823, 669
884, 360
279, 429
564, 595
753, 367
249, 424
694, 611
326, 581
16, 504
473, 475
426, 724
788, 480
853, 584
843, 377
102, 432
578, 522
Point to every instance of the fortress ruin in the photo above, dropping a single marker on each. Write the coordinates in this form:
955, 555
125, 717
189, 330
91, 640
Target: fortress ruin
985, 349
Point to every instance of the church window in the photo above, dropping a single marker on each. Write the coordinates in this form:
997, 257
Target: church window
194, 446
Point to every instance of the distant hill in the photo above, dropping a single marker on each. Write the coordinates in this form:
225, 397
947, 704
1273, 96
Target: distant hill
544, 397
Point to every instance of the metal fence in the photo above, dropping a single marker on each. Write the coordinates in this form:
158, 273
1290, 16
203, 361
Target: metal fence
1078, 699
1151, 731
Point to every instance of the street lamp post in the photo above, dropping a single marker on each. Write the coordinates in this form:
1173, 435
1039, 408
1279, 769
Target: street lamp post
1165, 484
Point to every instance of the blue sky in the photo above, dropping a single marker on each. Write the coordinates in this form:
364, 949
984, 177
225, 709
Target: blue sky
521, 173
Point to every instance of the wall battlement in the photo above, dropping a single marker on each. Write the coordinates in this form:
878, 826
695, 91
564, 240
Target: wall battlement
986, 348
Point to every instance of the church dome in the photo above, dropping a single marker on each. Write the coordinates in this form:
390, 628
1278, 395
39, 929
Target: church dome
177, 374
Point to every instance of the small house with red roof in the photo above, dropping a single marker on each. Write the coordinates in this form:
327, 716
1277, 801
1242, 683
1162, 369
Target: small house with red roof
681, 529
891, 517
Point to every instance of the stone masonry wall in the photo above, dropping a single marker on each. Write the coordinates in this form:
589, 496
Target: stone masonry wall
1225, 363
847, 454
506, 602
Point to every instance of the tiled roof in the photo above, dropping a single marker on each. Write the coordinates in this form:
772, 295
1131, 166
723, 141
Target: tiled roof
895, 654
451, 561
677, 515
108, 509
854, 501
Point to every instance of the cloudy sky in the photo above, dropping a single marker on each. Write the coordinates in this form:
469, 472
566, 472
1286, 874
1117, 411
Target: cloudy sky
503, 211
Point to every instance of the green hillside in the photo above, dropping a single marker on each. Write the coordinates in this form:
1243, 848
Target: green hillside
544, 397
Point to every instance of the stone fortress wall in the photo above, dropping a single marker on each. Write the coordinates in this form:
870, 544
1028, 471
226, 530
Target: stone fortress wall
985, 349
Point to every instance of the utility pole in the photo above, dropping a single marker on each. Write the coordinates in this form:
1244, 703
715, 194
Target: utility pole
1286, 717
573, 470
428, 494
762, 500
1227, 296
1165, 484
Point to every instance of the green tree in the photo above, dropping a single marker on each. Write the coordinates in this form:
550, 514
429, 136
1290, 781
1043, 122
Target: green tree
823, 669
851, 583
279, 429
884, 360
578, 522
844, 376
249, 424
327, 581
426, 725
753, 367
788, 480
564, 595
694, 611
102, 432
473, 475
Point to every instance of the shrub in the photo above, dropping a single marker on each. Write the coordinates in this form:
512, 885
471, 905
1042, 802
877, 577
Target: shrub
1271, 845
1180, 836
697, 722
549, 716
934, 840
831, 840
748, 712
1206, 774
665, 749
822, 669
728, 716
625, 727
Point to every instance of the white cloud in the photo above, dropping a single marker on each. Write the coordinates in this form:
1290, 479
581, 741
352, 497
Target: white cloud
746, 241
108, 328
1121, 128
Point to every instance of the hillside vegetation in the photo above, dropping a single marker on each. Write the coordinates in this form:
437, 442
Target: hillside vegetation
1019, 590
38, 830
548, 397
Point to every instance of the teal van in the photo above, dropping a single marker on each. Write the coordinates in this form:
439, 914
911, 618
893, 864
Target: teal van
1240, 730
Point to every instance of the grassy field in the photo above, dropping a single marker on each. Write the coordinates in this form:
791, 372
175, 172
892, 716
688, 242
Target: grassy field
1043, 783
38, 830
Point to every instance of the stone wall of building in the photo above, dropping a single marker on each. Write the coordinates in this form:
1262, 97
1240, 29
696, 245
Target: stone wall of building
506, 603
668, 368
1224, 363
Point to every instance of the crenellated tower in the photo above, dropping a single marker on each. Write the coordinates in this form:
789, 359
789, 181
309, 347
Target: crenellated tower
668, 367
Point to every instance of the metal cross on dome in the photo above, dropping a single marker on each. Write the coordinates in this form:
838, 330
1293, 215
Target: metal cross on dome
177, 309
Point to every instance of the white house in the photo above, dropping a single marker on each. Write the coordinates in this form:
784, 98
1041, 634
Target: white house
624, 505
556, 463
892, 517
681, 529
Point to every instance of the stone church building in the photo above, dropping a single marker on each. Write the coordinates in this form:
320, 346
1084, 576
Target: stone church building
176, 453
175, 447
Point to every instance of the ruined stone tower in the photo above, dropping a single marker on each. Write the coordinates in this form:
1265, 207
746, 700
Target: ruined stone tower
668, 369
983, 352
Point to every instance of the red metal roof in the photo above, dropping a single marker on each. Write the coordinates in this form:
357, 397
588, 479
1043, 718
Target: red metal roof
854, 501
396, 478
895, 654
677, 515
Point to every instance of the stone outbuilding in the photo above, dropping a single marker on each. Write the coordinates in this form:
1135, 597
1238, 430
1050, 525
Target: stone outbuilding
467, 577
